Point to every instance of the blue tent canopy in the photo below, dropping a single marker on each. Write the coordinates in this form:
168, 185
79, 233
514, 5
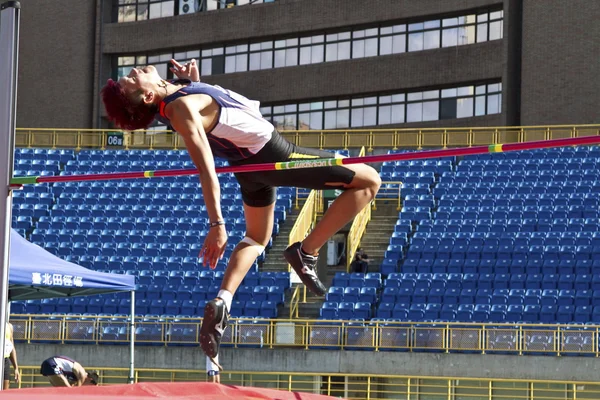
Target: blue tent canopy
36, 274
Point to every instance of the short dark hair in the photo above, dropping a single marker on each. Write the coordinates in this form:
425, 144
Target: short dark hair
122, 111
94, 377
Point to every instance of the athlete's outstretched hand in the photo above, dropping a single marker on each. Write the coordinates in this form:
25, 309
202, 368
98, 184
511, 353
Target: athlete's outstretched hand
188, 71
214, 246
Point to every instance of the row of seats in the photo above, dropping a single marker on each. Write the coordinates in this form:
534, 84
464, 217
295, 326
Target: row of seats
153, 199
493, 281
498, 226
345, 310
510, 200
357, 279
562, 297
137, 249
548, 314
424, 238
492, 266
183, 236
352, 294
542, 212
515, 165
475, 252
62, 155
135, 265
524, 188
252, 308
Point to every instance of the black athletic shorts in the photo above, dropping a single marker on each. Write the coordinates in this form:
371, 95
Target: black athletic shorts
7, 365
258, 188
49, 367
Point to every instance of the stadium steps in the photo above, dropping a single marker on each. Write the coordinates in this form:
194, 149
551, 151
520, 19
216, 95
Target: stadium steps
308, 310
274, 260
374, 242
377, 236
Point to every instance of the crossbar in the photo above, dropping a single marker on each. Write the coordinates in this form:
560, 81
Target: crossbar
325, 162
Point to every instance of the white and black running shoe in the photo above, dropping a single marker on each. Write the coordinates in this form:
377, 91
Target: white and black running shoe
214, 324
305, 266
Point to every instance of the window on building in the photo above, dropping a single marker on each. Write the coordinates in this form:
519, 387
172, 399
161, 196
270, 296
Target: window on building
349, 44
149, 9
431, 105
139, 10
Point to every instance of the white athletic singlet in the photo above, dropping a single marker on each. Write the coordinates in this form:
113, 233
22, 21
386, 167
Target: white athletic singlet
241, 131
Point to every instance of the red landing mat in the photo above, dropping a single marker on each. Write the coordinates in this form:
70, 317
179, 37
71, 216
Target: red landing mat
145, 391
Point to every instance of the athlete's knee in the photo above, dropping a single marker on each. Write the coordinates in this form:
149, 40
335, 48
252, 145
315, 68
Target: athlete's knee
258, 245
372, 180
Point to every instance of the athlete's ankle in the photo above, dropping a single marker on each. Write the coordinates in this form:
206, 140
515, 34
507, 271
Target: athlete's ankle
308, 253
227, 297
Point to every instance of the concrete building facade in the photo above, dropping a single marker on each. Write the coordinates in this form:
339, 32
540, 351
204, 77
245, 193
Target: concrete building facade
316, 64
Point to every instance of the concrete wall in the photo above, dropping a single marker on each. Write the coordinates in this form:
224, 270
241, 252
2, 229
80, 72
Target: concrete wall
548, 60
511, 78
561, 62
323, 361
268, 20
56, 64
447, 66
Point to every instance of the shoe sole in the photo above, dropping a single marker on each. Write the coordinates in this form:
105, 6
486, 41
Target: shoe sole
206, 332
290, 258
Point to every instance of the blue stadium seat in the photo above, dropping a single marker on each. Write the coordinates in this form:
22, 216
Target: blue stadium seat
260, 293
329, 310
385, 310
351, 294
341, 279
368, 295
336, 294
346, 310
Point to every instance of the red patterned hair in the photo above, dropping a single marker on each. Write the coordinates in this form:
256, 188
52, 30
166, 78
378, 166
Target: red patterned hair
124, 112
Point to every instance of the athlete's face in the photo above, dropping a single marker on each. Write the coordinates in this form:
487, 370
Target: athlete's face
141, 81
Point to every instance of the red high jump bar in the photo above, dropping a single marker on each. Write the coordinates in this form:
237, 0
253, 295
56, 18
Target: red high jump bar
17, 182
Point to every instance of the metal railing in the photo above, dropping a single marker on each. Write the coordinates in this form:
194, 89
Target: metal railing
355, 386
323, 139
523, 339
357, 230
295, 303
304, 224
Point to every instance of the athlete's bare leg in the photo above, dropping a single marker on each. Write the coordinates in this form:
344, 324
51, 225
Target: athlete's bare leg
259, 227
358, 194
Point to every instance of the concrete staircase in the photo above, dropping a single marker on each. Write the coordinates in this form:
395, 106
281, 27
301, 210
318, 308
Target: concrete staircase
377, 237
275, 260
374, 243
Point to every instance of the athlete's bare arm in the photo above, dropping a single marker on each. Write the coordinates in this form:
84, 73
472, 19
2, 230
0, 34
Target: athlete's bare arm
80, 373
59, 380
185, 116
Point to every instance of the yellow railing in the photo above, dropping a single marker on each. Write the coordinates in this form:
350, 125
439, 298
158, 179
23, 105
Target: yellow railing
295, 303
304, 224
319, 203
357, 230
302, 195
478, 338
356, 386
306, 218
323, 139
